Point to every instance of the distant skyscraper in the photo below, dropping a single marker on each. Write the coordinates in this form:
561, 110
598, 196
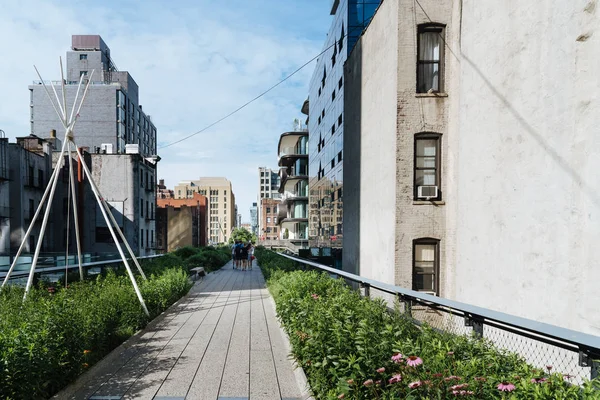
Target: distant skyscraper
254, 218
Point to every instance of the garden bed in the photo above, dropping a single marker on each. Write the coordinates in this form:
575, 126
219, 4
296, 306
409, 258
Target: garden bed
352, 347
58, 333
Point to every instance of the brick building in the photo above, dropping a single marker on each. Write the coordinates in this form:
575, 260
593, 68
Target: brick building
269, 210
181, 222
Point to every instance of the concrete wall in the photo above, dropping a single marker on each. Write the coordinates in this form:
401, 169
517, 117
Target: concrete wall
118, 177
180, 227
96, 124
529, 202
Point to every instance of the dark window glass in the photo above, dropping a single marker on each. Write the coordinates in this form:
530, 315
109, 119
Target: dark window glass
430, 56
426, 265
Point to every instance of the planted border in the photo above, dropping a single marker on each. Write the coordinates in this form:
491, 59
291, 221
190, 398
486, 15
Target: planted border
58, 333
352, 347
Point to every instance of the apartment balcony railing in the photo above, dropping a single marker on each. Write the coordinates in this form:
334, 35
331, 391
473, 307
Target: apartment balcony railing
293, 151
567, 351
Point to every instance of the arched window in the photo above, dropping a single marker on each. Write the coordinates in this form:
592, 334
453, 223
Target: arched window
427, 166
426, 265
430, 57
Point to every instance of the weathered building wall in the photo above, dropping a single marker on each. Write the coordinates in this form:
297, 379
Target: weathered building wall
180, 227
528, 223
384, 113
369, 143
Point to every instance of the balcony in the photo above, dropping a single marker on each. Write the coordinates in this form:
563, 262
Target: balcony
288, 155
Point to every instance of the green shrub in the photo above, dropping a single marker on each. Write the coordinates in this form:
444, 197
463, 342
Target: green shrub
210, 258
51, 338
346, 342
186, 252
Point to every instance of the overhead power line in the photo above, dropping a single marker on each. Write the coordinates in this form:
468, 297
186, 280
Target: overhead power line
335, 43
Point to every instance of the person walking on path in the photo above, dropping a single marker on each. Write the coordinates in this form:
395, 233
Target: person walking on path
250, 254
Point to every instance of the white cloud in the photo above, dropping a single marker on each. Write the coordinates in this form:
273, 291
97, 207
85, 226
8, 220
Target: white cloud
194, 64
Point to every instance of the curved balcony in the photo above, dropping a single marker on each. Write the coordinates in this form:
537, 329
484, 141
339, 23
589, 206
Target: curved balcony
288, 155
292, 174
289, 140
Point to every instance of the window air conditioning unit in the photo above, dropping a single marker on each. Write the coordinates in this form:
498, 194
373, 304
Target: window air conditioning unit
427, 192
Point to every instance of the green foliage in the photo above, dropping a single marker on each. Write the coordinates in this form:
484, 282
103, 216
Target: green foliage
186, 252
342, 339
55, 335
210, 258
242, 234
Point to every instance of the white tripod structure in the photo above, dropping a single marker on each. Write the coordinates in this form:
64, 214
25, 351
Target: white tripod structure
69, 125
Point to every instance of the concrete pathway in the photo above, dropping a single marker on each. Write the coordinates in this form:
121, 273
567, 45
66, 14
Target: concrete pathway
221, 342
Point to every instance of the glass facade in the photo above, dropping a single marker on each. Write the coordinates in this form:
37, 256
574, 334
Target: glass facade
325, 124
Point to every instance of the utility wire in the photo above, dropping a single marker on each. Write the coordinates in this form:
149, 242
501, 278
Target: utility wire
335, 43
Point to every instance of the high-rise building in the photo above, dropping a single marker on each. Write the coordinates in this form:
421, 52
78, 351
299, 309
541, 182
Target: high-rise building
254, 218
111, 116
221, 204
268, 188
325, 123
292, 218
119, 136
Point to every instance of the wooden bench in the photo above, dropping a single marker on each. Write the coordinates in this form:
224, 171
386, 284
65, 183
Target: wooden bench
198, 271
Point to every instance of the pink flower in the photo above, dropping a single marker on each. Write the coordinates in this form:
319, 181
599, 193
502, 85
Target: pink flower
341, 396
314, 296
450, 353
395, 379
568, 376
381, 370
459, 387
415, 384
480, 379
549, 367
413, 361
368, 382
506, 387
378, 382
538, 380
350, 381
397, 358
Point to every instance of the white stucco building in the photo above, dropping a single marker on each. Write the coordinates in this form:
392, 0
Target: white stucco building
496, 104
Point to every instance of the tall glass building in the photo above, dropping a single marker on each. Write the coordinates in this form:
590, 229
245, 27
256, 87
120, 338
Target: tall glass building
325, 124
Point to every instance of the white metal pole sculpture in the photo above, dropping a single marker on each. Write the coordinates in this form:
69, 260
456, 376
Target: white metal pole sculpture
69, 124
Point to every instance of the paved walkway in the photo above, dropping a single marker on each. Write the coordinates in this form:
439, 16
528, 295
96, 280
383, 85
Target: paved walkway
222, 342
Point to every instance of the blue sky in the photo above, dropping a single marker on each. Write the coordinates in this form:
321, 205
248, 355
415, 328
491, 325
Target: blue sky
194, 63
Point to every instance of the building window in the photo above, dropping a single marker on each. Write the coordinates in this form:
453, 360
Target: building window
83, 73
430, 55
332, 129
142, 208
83, 56
426, 265
341, 42
268, 210
340, 83
142, 238
333, 95
268, 220
340, 120
427, 166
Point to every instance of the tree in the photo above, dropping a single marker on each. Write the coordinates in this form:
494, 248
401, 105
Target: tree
242, 234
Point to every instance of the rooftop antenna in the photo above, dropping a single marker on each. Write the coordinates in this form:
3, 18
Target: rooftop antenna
69, 141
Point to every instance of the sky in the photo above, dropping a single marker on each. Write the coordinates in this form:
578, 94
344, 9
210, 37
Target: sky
194, 63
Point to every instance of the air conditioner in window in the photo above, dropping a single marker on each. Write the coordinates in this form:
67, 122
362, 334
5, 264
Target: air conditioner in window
427, 192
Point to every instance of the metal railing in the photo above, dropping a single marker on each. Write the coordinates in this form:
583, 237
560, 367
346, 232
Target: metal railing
93, 264
541, 345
